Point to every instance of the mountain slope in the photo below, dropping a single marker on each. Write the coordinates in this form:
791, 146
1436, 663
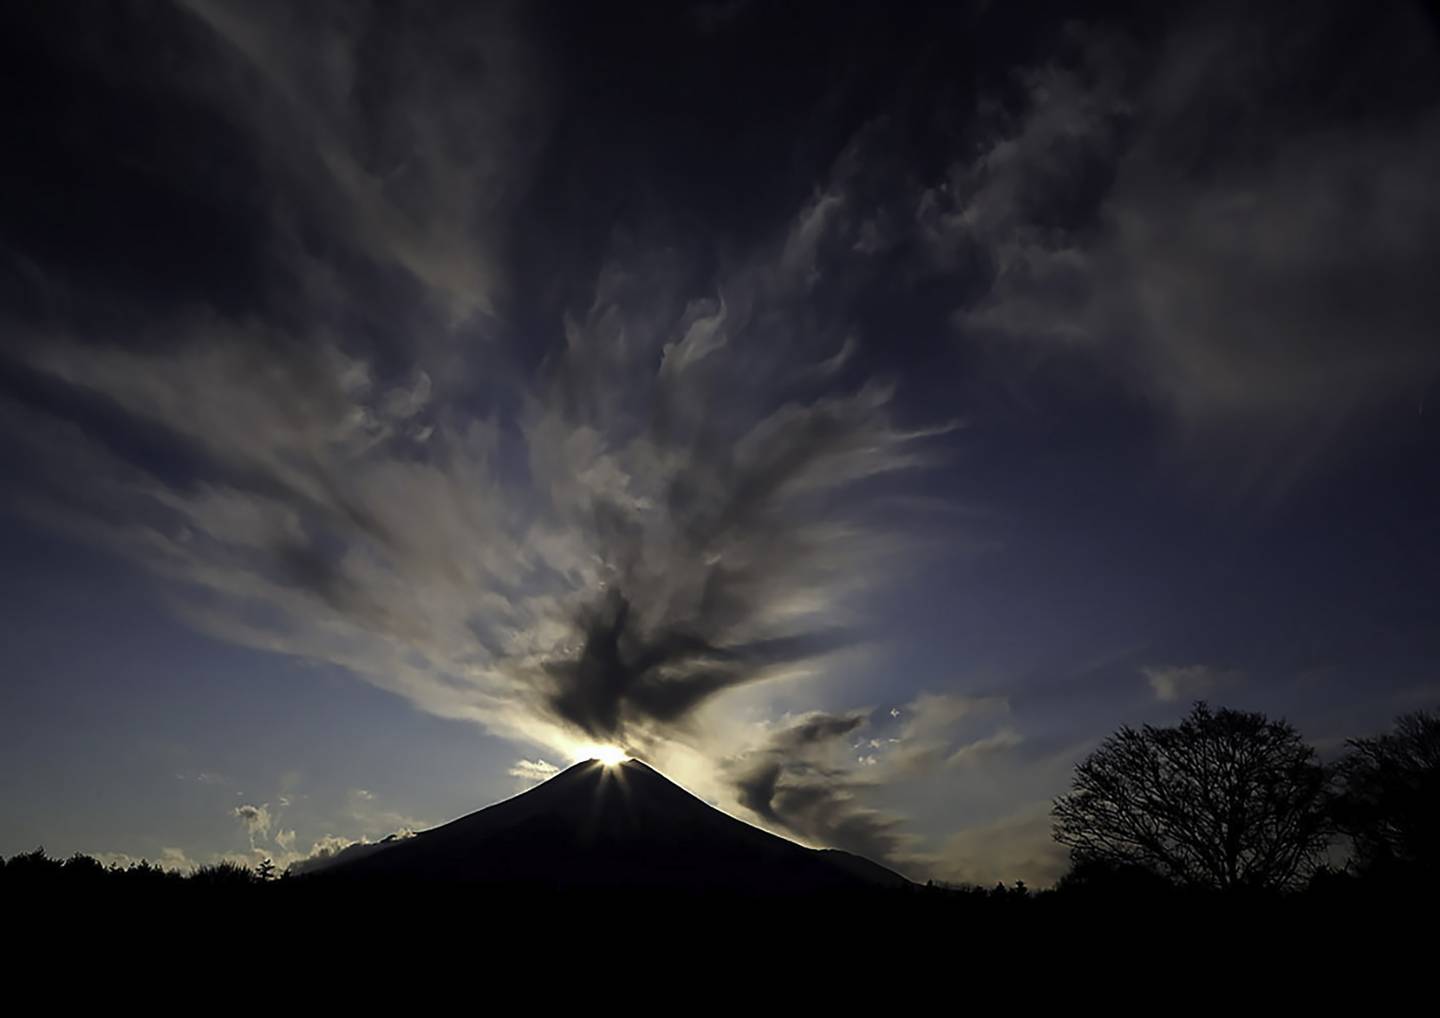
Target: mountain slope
598, 826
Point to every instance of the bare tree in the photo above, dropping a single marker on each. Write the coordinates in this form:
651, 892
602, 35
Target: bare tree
1388, 801
1224, 799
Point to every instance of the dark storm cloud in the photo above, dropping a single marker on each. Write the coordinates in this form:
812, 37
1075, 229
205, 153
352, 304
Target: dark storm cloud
662, 676
789, 784
711, 524
590, 531
714, 519
818, 776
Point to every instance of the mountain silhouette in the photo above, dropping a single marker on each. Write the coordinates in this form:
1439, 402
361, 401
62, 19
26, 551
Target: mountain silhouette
598, 826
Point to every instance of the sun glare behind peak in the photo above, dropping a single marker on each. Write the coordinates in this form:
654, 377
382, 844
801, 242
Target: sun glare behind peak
610, 756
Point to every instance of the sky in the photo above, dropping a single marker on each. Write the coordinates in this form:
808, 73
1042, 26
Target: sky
855, 411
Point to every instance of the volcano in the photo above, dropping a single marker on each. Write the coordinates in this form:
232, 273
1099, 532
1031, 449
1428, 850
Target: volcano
602, 826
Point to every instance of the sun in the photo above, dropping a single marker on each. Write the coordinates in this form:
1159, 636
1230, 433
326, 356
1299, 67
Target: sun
607, 754
610, 756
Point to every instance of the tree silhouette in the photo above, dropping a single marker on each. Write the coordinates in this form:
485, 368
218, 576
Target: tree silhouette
224, 874
1225, 799
1388, 800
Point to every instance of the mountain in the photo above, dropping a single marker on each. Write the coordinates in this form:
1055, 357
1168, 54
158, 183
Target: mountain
598, 826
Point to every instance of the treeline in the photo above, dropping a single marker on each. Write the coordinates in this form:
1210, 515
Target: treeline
37, 870
1231, 801
1227, 804
1224, 803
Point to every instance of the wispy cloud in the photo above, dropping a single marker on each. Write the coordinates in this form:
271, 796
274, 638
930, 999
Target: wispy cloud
255, 819
531, 771
1259, 287
591, 526
1262, 293
413, 174
797, 783
580, 481
650, 526
1170, 683
1017, 847
820, 776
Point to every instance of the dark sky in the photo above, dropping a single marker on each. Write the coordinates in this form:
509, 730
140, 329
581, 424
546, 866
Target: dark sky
856, 410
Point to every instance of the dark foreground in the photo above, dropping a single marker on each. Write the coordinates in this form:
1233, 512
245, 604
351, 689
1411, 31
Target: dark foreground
299, 945
1337, 917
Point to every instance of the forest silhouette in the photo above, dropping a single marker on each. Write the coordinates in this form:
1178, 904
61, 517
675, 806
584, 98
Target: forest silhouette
1225, 814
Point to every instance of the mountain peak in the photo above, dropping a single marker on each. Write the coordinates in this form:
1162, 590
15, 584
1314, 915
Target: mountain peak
604, 824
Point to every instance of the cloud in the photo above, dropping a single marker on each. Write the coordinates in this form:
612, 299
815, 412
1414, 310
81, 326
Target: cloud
684, 524
203, 777
332, 848
1015, 847
533, 770
1266, 284
720, 526
322, 851
1257, 285
983, 749
591, 524
821, 777
820, 810
361, 812
1187, 682
172, 858
595, 523
365, 813
402, 136
123, 860
576, 474
256, 820
929, 732
796, 783
806, 779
